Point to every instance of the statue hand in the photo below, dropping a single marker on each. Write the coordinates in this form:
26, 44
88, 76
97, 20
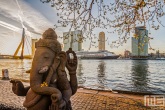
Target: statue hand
71, 63
18, 87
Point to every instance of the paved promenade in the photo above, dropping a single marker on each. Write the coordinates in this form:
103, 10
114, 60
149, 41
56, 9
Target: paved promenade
83, 100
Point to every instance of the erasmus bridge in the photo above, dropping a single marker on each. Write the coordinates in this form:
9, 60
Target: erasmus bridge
26, 42
16, 39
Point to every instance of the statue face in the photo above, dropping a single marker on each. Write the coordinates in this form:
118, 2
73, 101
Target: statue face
43, 58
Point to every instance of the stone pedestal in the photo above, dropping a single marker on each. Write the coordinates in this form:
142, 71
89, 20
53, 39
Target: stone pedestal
5, 74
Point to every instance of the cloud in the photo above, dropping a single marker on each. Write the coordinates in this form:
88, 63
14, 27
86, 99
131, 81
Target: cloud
31, 18
11, 27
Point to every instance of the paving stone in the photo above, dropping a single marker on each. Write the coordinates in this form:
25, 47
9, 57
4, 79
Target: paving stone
80, 101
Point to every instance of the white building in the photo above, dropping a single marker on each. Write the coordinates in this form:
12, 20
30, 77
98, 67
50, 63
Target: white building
73, 40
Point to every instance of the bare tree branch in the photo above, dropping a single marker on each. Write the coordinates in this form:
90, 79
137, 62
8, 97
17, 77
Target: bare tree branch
121, 15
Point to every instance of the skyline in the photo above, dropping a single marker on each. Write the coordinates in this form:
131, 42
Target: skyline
37, 17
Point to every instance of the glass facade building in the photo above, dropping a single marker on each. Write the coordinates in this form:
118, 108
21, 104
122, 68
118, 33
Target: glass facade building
140, 42
72, 40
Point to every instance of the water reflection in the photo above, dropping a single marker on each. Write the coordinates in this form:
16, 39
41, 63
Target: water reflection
101, 74
81, 79
101, 69
140, 75
17, 68
130, 75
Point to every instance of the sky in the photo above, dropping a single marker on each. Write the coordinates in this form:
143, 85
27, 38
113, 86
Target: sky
14, 15
36, 17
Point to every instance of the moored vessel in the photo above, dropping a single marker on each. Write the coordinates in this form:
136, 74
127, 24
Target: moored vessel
101, 54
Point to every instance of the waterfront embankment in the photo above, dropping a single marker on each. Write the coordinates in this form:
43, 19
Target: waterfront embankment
84, 99
142, 76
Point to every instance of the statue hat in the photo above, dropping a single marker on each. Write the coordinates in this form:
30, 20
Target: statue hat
49, 40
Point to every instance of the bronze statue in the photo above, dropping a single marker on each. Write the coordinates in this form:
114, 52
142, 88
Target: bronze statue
49, 88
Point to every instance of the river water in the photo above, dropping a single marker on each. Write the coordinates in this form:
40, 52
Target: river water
127, 75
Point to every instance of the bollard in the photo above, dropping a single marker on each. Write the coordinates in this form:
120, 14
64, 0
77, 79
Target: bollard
5, 74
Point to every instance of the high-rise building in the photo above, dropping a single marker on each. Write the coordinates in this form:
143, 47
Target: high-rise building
140, 43
101, 41
72, 40
127, 54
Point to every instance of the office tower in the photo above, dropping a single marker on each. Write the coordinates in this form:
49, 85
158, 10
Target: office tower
72, 40
101, 41
140, 43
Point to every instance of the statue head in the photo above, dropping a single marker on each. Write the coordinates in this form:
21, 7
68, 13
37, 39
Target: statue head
49, 40
47, 48
49, 34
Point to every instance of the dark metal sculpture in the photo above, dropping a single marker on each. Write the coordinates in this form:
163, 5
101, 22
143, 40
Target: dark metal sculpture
49, 88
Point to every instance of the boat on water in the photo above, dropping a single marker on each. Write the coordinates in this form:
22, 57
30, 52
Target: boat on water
101, 54
160, 58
